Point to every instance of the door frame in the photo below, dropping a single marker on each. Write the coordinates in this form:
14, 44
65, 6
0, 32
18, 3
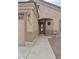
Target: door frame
42, 22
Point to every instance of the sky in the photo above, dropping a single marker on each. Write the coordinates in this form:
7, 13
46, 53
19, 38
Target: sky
56, 2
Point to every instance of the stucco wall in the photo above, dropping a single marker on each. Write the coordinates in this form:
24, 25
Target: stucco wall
32, 27
21, 32
27, 28
45, 11
49, 28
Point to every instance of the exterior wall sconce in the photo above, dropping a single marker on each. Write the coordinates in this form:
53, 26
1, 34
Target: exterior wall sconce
49, 23
28, 12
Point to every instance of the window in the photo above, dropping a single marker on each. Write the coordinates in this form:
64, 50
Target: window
20, 16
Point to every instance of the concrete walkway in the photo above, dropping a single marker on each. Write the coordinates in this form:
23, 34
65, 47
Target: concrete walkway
41, 50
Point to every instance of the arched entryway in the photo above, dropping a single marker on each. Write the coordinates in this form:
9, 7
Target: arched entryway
42, 25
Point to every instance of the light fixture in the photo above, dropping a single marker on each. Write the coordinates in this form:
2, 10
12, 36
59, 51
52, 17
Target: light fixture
28, 15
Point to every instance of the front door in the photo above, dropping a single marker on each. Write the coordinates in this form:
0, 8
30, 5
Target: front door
42, 27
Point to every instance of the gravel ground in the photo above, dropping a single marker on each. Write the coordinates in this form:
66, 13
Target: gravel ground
55, 43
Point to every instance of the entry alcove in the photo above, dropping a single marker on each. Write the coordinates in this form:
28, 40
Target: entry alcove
46, 25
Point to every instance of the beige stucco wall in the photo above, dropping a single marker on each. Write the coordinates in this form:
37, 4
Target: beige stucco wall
27, 28
49, 28
46, 11
50, 13
21, 32
32, 27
